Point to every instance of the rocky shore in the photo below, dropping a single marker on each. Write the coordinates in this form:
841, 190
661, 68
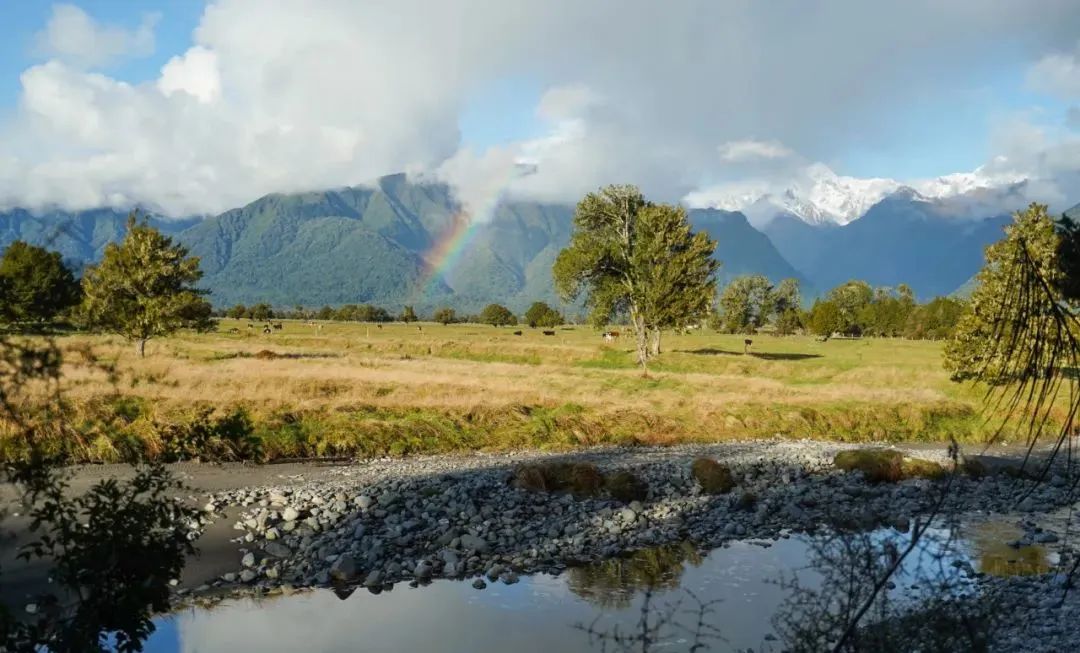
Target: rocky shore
383, 522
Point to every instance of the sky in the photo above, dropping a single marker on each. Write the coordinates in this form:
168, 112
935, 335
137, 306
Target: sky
197, 106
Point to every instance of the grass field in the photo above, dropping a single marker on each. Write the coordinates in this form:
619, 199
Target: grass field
355, 389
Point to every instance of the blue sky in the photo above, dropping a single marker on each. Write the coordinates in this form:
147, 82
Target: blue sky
900, 91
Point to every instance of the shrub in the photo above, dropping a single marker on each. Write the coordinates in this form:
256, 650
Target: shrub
886, 465
582, 479
713, 477
626, 487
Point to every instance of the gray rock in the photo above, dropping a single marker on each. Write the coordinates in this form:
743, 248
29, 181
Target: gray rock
247, 576
277, 549
364, 501
345, 569
423, 570
248, 560
374, 579
471, 542
479, 584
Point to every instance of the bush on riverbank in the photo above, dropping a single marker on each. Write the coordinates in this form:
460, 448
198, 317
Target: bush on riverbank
886, 465
713, 477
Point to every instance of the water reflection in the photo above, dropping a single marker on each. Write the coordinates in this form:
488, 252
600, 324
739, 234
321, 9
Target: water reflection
614, 583
539, 614
990, 542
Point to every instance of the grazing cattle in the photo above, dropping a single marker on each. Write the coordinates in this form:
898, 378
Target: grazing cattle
610, 336
267, 330
250, 325
279, 326
379, 325
517, 333
549, 333
746, 345
419, 328
234, 330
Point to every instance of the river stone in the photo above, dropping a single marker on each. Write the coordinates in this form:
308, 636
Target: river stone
272, 533
471, 542
248, 560
423, 570
344, 569
374, 579
290, 514
247, 576
479, 584
277, 549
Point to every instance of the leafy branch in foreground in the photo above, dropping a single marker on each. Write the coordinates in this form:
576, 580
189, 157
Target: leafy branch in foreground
1019, 336
111, 552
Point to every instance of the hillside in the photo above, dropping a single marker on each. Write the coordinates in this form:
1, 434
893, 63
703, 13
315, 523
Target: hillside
391, 244
901, 239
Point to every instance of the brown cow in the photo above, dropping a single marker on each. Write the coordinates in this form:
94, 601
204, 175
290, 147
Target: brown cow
549, 333
746, 345
517, 333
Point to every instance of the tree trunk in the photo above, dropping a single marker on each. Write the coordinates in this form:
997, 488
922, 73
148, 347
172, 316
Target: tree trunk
654, 342
140, 347
641, 337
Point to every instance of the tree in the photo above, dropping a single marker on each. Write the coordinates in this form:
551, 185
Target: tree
542, 315
825, 318
144, 287
497, 315
1001, 327
849, 299
786, 306
745, 304
261, 312
238, 312
408, 315
632, 257
934, 320
35, 285
444, 315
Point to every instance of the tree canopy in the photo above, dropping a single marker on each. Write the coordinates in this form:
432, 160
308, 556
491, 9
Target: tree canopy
999, 327
144, 287
629, 256
35, 285
542, 315
444, 315
497, 315
408, 315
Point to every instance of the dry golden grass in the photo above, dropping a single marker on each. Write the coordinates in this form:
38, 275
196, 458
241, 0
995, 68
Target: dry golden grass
355, 388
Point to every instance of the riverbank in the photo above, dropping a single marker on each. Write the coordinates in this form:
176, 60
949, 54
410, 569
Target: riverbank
276, 529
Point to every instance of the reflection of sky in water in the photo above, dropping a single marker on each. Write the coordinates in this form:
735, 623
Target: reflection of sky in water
537, 615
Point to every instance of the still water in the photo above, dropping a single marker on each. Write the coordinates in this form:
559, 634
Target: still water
545, 614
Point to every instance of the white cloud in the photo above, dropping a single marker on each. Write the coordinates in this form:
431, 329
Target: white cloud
275, 95
75, 37
194, 73
1058, 74
749, 150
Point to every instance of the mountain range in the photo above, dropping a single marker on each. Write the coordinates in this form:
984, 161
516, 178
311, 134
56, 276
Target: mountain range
400, 241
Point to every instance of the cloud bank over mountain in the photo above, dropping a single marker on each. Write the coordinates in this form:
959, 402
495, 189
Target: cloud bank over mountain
693, 99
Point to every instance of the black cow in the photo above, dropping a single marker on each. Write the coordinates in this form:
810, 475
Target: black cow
549, 333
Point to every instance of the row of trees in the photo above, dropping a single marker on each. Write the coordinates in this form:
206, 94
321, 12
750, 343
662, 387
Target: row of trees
539, 314
854, 308
857, 309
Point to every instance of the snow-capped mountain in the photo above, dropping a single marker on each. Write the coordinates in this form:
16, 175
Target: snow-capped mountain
819, 196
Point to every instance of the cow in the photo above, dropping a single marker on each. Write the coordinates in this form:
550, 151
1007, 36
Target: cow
611, 336
549, 333
251, 325
234, 330
267, 330
419, 329
746, 345
379, 326
278, 326
517, 333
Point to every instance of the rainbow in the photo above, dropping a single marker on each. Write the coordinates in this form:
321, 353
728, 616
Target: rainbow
445, 253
